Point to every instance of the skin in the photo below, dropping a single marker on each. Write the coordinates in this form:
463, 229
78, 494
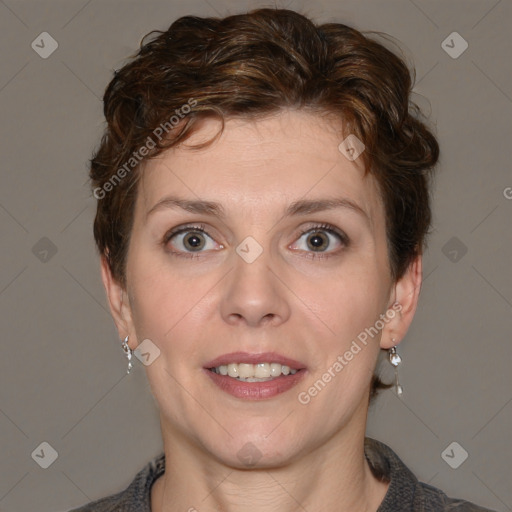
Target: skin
285, 301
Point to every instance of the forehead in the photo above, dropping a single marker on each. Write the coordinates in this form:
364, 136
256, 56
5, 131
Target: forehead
257, 167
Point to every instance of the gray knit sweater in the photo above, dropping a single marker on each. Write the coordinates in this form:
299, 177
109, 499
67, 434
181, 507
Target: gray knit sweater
405, 492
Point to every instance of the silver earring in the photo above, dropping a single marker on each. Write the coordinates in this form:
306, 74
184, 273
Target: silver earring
128, 351
396, 360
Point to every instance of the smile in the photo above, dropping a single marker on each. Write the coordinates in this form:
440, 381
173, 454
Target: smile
254, 376
259, 372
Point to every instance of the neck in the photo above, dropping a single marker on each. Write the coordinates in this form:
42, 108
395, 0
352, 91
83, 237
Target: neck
332, 478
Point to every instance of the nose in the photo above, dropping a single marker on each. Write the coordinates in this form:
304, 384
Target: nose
254, 294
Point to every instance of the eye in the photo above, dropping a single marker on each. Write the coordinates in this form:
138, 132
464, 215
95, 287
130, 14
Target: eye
189, 239
321, 238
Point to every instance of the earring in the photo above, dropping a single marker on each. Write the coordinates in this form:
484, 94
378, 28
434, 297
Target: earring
396, 360
128, 351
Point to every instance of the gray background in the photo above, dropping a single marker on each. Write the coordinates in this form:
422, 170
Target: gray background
63, 375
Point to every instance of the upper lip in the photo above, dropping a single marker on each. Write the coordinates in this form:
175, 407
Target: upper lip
263, 357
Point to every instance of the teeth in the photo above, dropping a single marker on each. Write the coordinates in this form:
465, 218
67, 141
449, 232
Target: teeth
254, 372
275, 369
233, 370
245, 370
262, 370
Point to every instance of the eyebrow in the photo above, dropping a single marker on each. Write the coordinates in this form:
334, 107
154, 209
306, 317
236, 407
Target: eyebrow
301, 207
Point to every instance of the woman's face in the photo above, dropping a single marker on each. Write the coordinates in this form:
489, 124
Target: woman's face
260, 265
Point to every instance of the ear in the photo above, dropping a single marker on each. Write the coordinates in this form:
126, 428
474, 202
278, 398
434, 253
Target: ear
403, 300
119, 304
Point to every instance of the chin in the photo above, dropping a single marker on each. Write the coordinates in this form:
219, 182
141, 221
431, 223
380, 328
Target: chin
251, 455
253, 448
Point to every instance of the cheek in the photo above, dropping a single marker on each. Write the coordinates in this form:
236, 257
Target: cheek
170, 308
347, 301
157, 300
166, 309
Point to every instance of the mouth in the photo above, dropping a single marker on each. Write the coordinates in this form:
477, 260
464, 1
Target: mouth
255, 376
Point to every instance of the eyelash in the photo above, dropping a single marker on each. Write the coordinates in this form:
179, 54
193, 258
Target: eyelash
202, 229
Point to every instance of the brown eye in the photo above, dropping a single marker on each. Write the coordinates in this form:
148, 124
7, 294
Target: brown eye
321, 239
193, 241
189, 239
318, 241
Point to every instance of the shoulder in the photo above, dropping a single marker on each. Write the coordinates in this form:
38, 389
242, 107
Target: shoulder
433, 499
114, 503
405, 489
136, 497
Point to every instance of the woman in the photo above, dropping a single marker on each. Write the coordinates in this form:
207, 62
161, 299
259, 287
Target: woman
263, 202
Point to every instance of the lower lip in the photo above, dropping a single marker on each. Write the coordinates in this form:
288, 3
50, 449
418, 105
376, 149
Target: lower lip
256, 390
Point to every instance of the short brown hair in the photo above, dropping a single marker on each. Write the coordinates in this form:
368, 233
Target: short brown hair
248, 66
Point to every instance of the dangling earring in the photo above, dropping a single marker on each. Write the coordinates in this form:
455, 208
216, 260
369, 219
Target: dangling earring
396, 360
128, 351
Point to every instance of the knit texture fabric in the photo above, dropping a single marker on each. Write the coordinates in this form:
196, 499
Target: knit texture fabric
405, 493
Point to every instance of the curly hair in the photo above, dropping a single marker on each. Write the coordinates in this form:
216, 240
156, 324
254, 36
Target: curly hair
248, 66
